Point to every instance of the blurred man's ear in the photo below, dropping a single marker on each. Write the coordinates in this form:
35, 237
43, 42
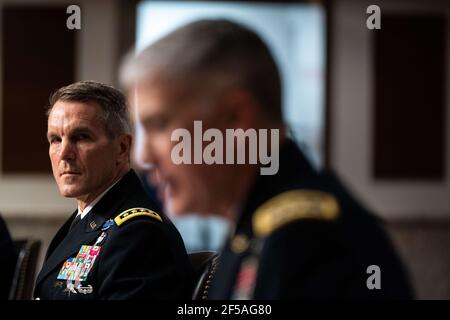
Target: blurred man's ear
240, 109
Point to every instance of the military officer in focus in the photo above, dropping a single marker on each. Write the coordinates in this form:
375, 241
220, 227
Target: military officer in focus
114, 246
297, 232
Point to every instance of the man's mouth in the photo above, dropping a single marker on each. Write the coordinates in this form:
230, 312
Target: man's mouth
165, 189
70, 173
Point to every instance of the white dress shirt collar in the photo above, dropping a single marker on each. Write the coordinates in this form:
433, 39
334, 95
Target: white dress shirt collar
88, 208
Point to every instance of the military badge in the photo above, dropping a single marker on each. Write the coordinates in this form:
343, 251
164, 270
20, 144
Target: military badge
108, 224
78, 268
246, 279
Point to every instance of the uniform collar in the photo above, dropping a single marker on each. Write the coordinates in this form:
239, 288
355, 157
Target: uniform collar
108, 205
294, 167
88, 208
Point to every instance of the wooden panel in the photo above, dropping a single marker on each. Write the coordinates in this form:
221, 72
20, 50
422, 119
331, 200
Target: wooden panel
410, 67
38, 57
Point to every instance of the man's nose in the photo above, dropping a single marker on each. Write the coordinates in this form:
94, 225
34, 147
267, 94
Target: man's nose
67, 151
142, 148
145, 152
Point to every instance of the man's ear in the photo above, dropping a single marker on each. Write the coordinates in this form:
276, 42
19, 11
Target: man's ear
125, 140
239, 109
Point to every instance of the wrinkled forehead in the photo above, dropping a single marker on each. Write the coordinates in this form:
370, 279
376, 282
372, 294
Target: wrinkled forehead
74, 113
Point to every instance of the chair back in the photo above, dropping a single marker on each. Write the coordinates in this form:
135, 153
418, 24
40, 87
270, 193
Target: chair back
25, 271
204, 264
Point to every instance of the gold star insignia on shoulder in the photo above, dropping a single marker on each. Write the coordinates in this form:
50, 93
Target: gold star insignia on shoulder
293, 205
135, 212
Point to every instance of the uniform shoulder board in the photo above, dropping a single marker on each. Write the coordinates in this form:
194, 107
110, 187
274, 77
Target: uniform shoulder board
293, 205
135, 212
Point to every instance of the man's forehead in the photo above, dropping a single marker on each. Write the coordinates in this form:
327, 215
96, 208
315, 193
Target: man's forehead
149, 100
161, 97
74, 114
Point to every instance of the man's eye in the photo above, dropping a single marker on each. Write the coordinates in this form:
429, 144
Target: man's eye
82, 136
55, 140
156, 124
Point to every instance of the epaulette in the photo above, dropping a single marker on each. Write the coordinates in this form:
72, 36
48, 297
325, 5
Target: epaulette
135, 212
293, 205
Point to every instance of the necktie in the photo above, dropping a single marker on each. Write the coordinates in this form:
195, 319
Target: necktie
75, 222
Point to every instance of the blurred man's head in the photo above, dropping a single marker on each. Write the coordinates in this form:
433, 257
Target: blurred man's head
90, 139
215, 71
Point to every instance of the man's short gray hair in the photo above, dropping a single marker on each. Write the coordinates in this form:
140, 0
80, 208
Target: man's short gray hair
111, 100
212, 54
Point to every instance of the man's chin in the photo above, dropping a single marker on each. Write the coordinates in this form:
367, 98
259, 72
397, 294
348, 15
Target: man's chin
70, 193
174, 208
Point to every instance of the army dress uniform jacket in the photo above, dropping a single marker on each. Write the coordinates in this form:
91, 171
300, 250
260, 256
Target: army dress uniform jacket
120, 250
300, 235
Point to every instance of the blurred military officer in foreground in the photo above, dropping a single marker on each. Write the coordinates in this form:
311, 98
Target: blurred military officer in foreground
114, 246
297, 233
